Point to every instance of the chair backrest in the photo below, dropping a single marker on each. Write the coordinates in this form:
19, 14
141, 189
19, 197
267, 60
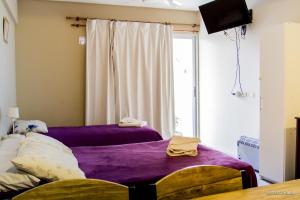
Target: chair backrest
198, 181
81, 189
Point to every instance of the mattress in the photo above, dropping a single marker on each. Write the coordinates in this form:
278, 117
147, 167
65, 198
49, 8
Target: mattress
102, 135
144, 163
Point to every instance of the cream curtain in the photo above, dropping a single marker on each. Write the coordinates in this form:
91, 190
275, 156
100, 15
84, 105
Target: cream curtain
129, 74
99, 74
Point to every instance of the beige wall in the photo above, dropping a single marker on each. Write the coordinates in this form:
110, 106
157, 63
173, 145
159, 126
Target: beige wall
292, 71
7, 70
51, 64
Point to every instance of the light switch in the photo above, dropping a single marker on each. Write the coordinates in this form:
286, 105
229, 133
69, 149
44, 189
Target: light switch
82, 40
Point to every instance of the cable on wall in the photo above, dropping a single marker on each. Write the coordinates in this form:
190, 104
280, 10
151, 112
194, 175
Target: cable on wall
240, 33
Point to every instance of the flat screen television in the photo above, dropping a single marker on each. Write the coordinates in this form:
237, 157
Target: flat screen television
220, 15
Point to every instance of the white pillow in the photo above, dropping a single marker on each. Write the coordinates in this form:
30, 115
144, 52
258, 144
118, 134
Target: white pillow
10, 177
47, 141
25, 126
47, 162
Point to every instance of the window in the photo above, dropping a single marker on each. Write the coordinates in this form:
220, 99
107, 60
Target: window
185, 62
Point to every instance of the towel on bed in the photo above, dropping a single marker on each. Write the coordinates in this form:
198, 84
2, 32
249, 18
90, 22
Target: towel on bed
130, 122
183, 146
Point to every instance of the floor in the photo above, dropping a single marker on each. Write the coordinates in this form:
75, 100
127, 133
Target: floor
261, 182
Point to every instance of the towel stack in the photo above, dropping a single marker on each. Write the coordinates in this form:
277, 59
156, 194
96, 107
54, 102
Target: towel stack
183, 146
130, 122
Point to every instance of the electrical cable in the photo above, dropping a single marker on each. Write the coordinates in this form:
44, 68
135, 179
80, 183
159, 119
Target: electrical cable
238, 35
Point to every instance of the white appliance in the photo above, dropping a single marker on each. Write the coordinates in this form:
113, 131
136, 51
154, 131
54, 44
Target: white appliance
248, 151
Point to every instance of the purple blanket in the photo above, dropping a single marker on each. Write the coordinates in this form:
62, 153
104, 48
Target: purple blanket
143, 163
102, 135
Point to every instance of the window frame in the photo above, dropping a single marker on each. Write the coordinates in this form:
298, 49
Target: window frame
196, 73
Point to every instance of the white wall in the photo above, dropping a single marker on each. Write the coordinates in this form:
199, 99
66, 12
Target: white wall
7, 70
223, 117
272, 117
281, 96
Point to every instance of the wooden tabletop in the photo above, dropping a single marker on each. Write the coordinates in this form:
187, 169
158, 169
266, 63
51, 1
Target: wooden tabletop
288, 190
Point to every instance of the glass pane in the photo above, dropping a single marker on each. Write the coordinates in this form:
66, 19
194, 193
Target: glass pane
184, 85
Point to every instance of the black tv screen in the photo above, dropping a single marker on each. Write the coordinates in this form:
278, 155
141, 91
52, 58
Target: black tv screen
220, 15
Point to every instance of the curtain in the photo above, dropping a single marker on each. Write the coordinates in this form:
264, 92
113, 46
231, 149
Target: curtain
99, 74
130, 74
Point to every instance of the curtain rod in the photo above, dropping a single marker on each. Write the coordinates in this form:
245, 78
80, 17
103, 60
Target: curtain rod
176, 30
167, 23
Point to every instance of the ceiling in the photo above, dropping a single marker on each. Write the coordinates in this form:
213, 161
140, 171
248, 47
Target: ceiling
184, 4
179, 4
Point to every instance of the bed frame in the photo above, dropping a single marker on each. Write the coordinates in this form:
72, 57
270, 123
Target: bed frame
77, 189
198, 181
186, 183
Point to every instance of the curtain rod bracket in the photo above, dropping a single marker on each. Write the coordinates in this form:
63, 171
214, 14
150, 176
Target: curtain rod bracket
78, 25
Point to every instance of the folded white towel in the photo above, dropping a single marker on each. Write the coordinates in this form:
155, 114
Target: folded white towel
183, 146
130, 122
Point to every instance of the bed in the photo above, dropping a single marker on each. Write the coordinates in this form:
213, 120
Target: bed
102, 135
141, 164
145, 163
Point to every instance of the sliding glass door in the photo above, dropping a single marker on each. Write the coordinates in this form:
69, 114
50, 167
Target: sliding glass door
185, 61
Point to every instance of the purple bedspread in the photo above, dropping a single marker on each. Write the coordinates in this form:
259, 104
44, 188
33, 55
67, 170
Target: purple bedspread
143, 163
102, 135
147, 162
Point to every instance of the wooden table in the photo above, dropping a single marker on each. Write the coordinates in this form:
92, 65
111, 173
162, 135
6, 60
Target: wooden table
288, 190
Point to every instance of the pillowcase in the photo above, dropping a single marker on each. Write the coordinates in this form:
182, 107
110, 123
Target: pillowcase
48, 141
10, 177
46, 161
8, 149
25, 126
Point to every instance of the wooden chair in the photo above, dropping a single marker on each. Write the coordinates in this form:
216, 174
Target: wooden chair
81, 189
198, 181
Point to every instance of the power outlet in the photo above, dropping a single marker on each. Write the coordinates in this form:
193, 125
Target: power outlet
240, 94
